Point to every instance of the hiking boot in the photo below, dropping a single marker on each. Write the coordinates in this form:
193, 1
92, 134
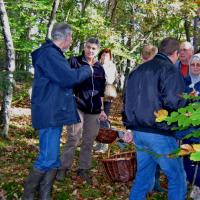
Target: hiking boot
32, 184
84, 174
46, 184
61, 174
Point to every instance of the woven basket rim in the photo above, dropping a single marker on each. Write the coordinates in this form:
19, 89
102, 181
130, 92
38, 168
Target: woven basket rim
113, 158
117, 159
122, 153
108, 129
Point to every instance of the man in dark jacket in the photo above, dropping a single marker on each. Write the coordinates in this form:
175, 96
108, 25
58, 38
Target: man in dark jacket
153, 86
53, 105
89, 95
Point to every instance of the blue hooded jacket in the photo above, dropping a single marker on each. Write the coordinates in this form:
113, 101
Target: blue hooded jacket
53, 102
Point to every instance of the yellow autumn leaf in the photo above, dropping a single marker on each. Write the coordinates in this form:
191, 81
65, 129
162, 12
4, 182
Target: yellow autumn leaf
161, 115
186, 149
196, 147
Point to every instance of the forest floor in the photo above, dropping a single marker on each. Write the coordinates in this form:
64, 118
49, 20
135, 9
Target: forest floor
18, 153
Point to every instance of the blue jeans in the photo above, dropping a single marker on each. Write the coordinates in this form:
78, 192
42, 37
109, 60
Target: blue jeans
49, 149
148, 147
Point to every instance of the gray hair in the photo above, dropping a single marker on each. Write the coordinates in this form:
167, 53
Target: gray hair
60, 31
188, 44
93, 40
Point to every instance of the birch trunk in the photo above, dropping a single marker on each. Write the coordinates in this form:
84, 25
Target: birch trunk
52, 18
7, 96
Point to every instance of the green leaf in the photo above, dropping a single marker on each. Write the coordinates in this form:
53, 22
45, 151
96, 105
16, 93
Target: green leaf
174, 114
195, 156
194, 134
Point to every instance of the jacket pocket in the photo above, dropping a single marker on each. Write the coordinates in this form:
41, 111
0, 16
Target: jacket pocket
67, 109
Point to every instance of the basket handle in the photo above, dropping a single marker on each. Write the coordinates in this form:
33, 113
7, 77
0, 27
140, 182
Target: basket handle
110, 145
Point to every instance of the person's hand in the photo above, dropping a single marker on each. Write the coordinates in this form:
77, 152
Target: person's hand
186, 149
127, 137
193, 93
103, 116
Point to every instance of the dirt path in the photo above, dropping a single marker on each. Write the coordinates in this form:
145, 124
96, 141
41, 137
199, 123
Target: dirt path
20, 111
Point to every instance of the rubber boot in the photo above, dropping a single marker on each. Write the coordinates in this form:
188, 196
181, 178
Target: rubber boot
32, 184
85, 175
47, 184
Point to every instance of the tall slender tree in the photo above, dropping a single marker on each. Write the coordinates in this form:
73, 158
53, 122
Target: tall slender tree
52, 17
7, 97
83, 5
196, 31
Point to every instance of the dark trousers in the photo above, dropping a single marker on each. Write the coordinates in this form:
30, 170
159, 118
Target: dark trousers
107, 106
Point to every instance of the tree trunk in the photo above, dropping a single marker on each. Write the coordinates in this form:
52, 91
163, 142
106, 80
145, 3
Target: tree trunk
187, 28
110, 10
7, 96
52, 17
113, 11
196, 34
128, 63
84, 5
196, 31
107, 10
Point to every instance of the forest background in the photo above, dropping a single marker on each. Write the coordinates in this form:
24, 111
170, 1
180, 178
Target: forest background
122, 25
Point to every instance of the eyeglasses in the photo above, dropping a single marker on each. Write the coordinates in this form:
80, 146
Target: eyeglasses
197, 65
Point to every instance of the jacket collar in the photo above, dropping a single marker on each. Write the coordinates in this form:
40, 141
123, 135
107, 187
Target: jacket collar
97, 64
163, 56
50, 43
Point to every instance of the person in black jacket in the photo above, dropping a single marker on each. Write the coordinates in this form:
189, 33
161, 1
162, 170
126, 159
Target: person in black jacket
89, 96
52, 105
153, 86
148, 52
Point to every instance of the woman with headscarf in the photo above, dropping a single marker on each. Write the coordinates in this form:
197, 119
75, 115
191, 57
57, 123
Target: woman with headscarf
193, 80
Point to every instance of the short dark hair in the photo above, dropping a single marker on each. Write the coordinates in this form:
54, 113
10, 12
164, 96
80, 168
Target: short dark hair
168, 46
93, 40
60, 31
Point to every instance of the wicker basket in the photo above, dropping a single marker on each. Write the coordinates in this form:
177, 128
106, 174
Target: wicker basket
120, 167
106, 135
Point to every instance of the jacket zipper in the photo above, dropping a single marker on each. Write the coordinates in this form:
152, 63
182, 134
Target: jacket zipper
92, 93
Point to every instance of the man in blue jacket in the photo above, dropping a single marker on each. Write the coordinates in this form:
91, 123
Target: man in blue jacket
53, 105
153, 86
89, 95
